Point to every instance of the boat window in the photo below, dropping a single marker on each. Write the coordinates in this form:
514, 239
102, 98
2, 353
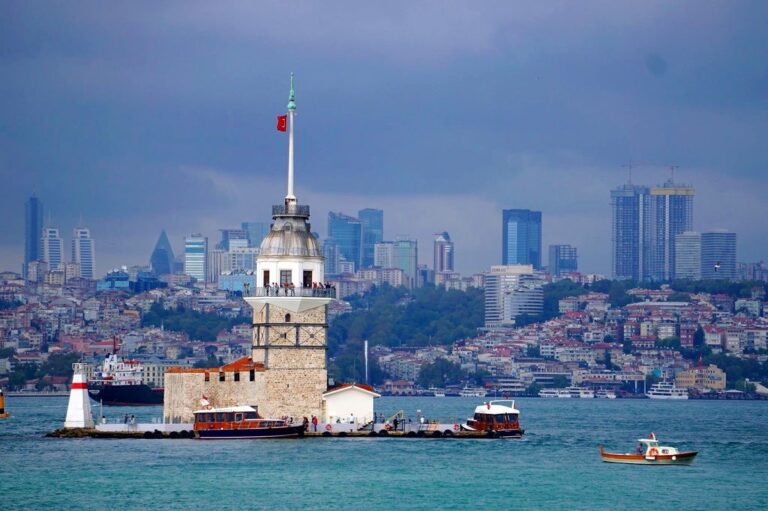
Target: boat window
237, 376
478, 417
230, 417
250, 415
220, 417
209, 417
252, 376
238, 417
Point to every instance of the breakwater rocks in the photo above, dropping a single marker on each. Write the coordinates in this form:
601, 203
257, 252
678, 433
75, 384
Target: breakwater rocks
93, 433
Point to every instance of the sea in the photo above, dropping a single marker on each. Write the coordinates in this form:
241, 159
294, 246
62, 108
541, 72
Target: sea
555, 466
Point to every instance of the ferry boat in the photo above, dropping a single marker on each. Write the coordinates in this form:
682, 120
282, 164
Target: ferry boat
649, 452
497, 418
241, 422
665, 390
555, 393
472, 392
605, 394
120, 382
581, 392
436, 392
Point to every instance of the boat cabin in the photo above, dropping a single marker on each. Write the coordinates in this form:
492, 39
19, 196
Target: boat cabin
498, 416
650, 447
234, 417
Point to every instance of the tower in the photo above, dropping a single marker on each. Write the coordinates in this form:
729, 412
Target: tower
83, 252
52, 248
289, 310
443, 253
521, 237
562, 258
372, 221
196, 256
161, 259
718, 255
33, 226
347, 233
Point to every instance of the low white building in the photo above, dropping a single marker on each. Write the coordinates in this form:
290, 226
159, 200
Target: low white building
350, 402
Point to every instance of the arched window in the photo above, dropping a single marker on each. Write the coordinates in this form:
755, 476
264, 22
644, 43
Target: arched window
287, 318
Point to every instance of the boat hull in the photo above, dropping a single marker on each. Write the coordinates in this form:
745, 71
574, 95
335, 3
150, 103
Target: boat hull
126, 395
681, 458
252, 433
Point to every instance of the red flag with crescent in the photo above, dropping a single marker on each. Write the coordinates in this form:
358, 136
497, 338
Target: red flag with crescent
282, 122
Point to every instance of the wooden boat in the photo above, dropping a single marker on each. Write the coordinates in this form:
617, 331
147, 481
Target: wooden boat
241, 422
496, 419
650, 453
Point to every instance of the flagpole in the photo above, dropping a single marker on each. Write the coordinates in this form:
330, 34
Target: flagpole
291, 109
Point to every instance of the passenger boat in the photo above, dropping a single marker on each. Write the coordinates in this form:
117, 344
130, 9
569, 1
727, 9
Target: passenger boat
649, 452
581, 392
665, 390
241, 422
555, 393
472, 392
497, 418
605, 394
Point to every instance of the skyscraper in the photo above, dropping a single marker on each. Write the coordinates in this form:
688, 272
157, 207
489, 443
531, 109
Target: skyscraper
233, 238
195, 256
521, 237
33, 227
256, 232
346, 232
688, 255
718, 255
562, 258
511, 291
645, 222
405, 255
52, 248
83, 252
162, 257
443, 253
384, 254
372, 221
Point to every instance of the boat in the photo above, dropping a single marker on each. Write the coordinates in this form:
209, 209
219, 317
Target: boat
605, 394
3, 413
436, 392
666, 390
555, 393
472, 392
649, 452
580, 392
499, 419
241, 422
120, 382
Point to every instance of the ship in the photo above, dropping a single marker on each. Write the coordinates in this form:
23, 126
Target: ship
120, 382
665, 390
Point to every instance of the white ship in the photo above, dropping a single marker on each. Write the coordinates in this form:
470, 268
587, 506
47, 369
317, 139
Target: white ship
665, 390
555, 393
605, 394
581, 392
472, 392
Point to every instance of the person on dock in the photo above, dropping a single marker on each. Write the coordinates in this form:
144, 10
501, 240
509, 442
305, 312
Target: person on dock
305, 423
314, 423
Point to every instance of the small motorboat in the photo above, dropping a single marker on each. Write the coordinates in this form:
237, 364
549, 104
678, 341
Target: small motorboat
497, 418
241, 422
649, 452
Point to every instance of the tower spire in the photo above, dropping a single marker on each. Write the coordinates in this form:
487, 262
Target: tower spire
290, 197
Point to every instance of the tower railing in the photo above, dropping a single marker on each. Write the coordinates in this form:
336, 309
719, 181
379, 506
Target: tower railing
290, 209
303, 292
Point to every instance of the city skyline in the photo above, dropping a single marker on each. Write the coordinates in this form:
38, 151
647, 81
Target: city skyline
545, 118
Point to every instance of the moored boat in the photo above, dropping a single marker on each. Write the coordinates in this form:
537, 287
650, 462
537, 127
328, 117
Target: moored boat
555, 393
649, 452
120, 382
472, 392
241, 422
497, 418
665, 390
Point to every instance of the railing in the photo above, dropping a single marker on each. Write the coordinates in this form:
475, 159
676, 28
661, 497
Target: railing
304, 292
290, 209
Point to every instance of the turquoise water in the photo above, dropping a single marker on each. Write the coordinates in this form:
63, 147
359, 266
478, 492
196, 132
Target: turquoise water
556, 465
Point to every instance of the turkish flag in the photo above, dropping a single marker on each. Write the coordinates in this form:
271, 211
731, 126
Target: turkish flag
282, 122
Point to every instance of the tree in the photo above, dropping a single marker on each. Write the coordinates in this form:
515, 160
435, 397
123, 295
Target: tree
559, 381
440, 373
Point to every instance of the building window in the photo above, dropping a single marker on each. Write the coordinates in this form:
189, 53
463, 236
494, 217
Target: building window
252, 375
285, 277
266, 282
237, 376
207, 376
287, 318
222, 376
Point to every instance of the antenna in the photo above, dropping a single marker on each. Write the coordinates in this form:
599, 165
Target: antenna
629, 166
672, 171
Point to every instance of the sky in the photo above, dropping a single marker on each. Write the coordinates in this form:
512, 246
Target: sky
139, 116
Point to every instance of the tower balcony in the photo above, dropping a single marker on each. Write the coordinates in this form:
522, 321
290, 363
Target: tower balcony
297, 292
290, 209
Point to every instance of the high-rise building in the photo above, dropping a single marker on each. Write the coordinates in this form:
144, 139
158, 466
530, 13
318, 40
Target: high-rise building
372, 222
242, 260
521, 237
562, 259
443, 253
331, 256
216, 262
52, 248
383, 254
232, 238
645, 222
256, 232
346, 232
688, 255
84, 252
162, 259
718, 255
512, 291
195, 256
405, 255
33, 226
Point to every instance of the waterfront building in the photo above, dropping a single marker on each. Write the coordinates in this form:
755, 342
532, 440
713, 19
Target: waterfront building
346, 231
256, 232
562, 259
372, 223
645, 222
286, 374
84, 252
688, 255
701, 378
195, 256
405, 255
162, 259
52, 248
521, 237
384, 254
718, 255
443, 253
511, 291
33, 226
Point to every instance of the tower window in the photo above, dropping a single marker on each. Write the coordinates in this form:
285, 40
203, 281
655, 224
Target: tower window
222, 376
287, 318
237, 376
252, 375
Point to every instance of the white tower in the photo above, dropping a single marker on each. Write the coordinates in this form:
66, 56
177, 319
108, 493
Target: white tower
79, 409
